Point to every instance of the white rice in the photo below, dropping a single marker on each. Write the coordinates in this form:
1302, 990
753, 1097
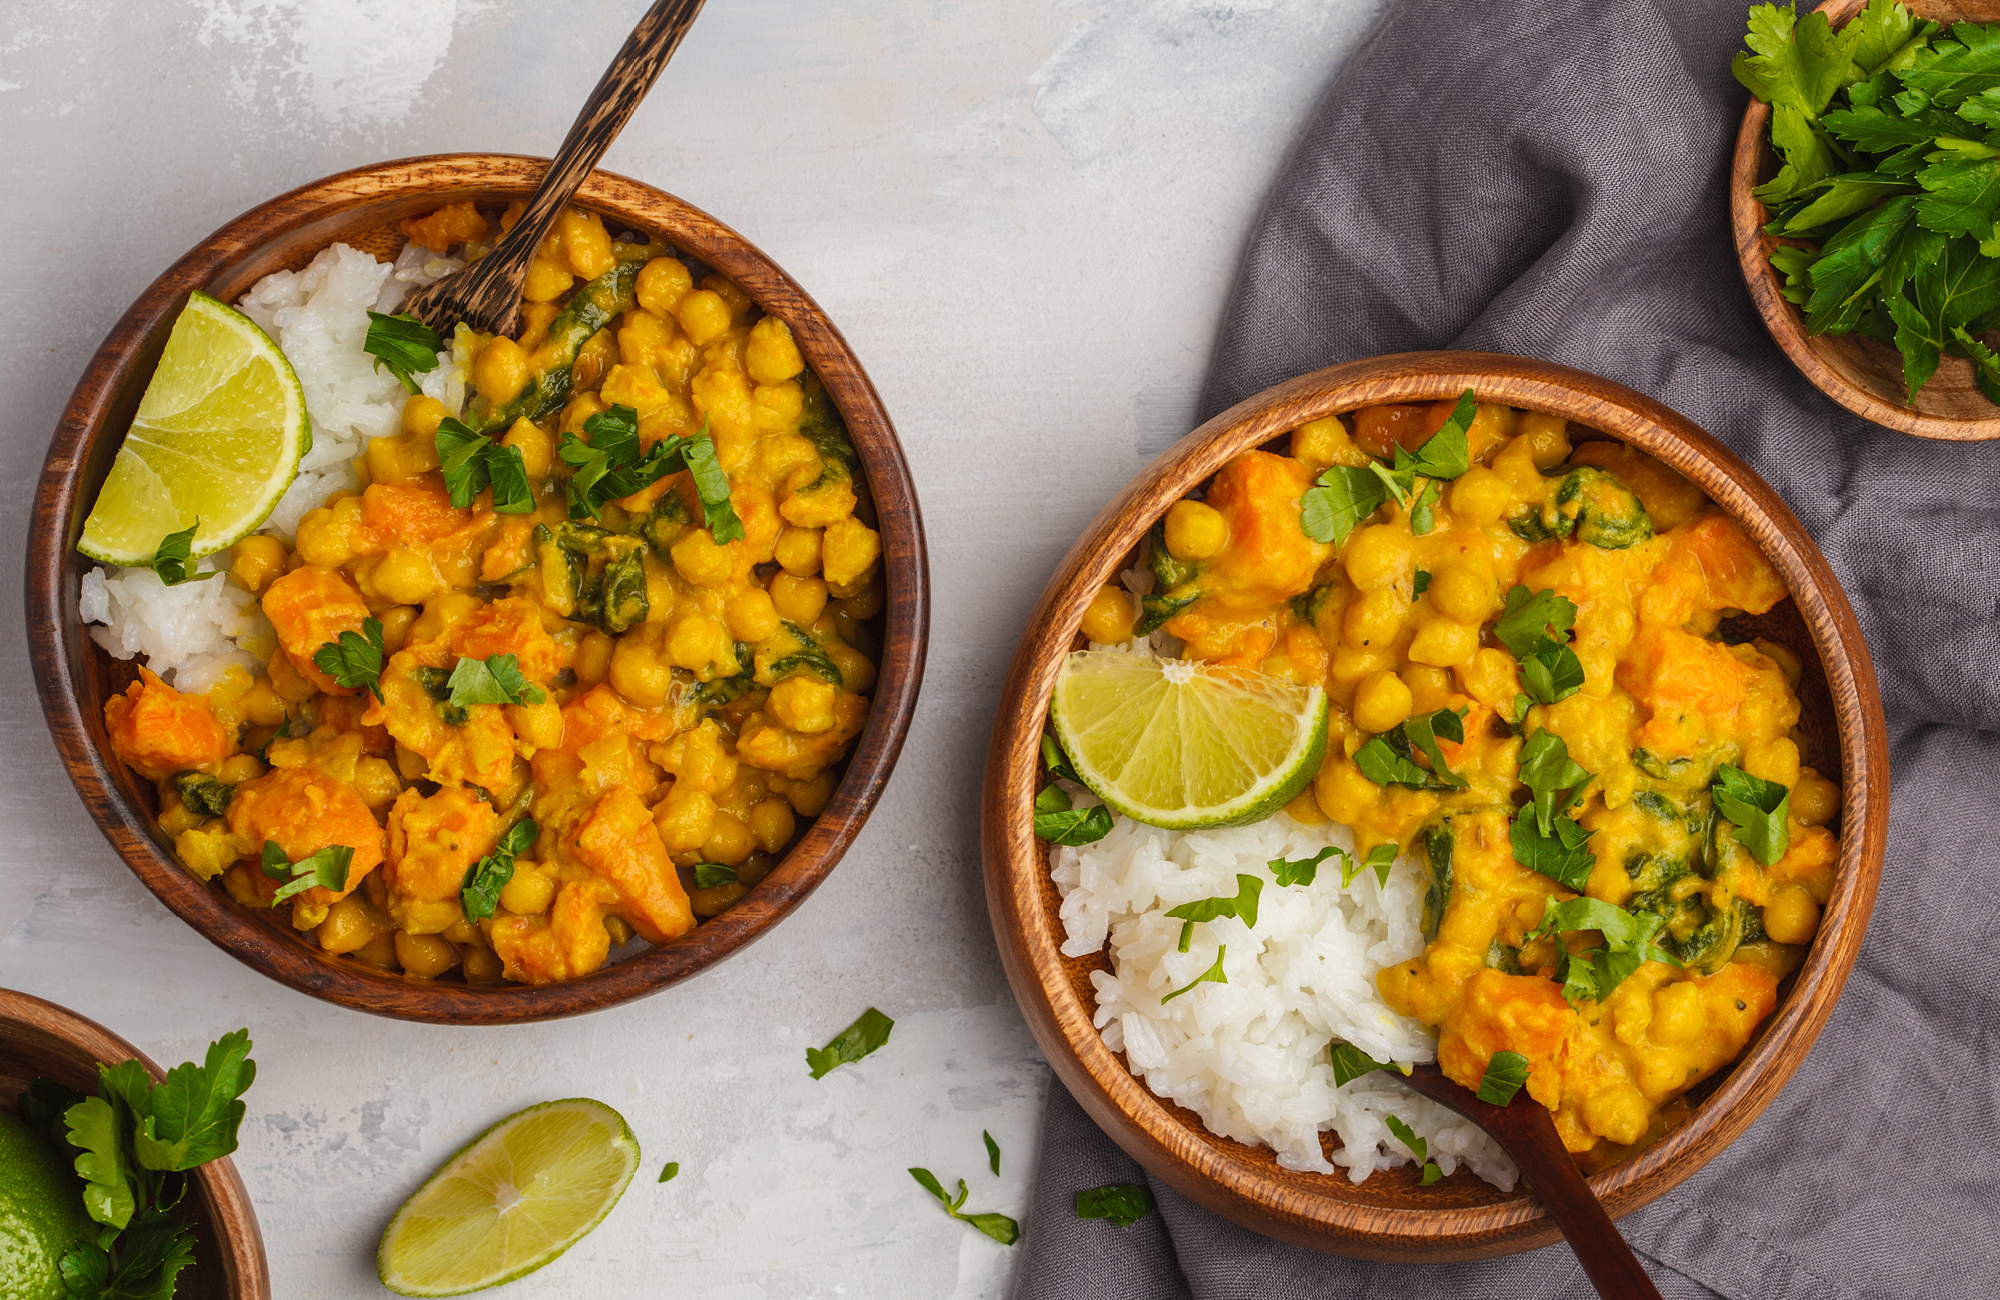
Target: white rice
193, 633
1251, 1056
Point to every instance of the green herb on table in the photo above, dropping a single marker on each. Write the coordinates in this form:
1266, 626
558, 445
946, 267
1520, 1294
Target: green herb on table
479, 893
171, 561
997, 1226
1591, 975
671, 1172
992, 1151
472, 462
1213, 975
1890, 181
1059, 823
136, 1140
851, 1044
1758, 808
1122, 1203
404, 344
354, 659
496, 679
326, 868
1243, 907
1505, 1073
1346, 495
1419, 1147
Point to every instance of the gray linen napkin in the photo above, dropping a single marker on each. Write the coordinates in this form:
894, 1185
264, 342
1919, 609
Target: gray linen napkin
1548, 179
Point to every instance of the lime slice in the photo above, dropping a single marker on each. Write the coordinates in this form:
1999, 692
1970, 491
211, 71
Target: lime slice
520, 1194
1186, 745
41, 1215
217, 438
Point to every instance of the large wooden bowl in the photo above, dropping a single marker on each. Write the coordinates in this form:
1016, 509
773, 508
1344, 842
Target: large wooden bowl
361, 207
1390, 1216
40, 1040
1861, 374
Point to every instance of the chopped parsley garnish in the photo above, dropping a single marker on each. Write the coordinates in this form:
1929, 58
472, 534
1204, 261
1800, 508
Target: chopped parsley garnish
1302, 871
1505, 1074
472, 462
1419, 1147
1056, 761
1350, 1063
326, 868
404, 344
992, 1151
1543, 838
1422, 583
1628, 943
1122, 1203
1346, 495
171, 561
613, 465
852, 1043
1758, 808
496, 679
354, 659
671, 1172
1548, 771
1535, 628
1059, 823
1382, 858
997, 1226
479, 893
1213, 975
1387, 759
708, 875
1243, 907
712, 486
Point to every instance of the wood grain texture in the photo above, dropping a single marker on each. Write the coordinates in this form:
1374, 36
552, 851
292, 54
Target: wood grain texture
1389, 1216
74, 677
488, 293
1861, 374
42, 1040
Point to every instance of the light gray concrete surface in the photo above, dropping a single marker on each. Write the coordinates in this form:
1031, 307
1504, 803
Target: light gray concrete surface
1025, 216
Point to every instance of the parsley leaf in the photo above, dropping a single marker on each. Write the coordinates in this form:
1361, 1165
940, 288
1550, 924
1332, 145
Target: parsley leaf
1058, 823
708, 875
1422, 584
94, 1130
1243, 907
1551, 672
613, 465
1628, 943
1381, 763
712, 486
1424, 732
1350, 1063
852, 1043
495, 679
1419, 1147
1213, 975
1302, 871
354, 659
326, 868
997, 1226
1422, 516
1758, 808
1382, 858
404, 344
1547, 770
1532, 617
195, 1113
671, 1172
992, 1151
1558, 854
1505, 1073
472, 462
1122, 1203
171, 561
1345, 496
1446, 454
479, 892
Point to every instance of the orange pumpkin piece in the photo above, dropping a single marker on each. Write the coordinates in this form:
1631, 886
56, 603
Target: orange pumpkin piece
303, 810
157, 731
619, 843
433, 841
309, 607
1269, 558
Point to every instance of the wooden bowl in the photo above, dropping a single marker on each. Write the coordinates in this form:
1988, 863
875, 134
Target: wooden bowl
1389, 1216
361, 207
41, 1040
1861, 374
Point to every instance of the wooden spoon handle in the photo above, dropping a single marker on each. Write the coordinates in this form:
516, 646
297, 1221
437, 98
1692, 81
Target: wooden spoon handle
618, 92
1610, 1264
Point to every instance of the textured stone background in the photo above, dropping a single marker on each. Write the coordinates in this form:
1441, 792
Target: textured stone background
1023, 214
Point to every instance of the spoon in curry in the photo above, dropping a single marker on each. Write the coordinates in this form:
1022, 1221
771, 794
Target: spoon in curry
487, 294
1528, 1133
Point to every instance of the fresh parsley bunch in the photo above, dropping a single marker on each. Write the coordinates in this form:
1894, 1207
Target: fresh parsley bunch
1891, 178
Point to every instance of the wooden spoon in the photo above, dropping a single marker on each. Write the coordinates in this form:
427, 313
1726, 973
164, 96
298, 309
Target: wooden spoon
1528, 1133
487, 294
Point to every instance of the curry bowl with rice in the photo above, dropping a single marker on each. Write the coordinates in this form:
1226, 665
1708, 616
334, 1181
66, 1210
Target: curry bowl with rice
1566, 772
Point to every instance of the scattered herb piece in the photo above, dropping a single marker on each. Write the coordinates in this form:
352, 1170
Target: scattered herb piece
404, 344
1551, 672
354, 659
1424, 732
1345, 496
1388, 759
613, 465
1559, 855
1380, 763
1382, 858
1505, 1074
1419, 1147
1243, 907
1548, 771
172, 560
204, 794
496, 679
1058, 823
707, 875
1302, 871
1421, 585
1122, 1203
1423, 516
992, 1152
1350, 1063
1628, 943
1056, 761
852, 1043
326, 868
997, 1226
1448, 453
472, 462
1213, 975
671, 1172
1531, 617
712, 486
1758, 808
479, 893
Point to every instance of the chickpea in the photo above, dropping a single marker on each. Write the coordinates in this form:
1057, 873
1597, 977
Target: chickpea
685, 817
1110, 617
1381, 702
857, 670
1679, 1017
751, 615
424, 955
637, 672
547, 280
771, 356
405, 577
729, 841
396, 623
798, 551
1195, 531
176, 816
1791, 915
1378, 557
539, 726
809, 797
1547, 437
1773, 760
1490, 677
421, 417
663, 282
287, 681
242, 767
698, 642
619, 930
1373, 621
1618, 1112
1305, 808
536, 317
848, 551
1343, 793
704, 317
803, 703
529, 892
1429, 687
262, 705
536, 447
1325, 442
482, 966
1444, 643
322, 539
591, 660
347, 926
1463, 593
409, 765
377, 783
772, 824
585, 242
1480, 496
256, 561
1815, 800
500, 371
700, 560
799, 599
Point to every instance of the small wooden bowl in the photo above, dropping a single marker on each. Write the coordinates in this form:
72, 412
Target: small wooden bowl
1861, 374
361, 208
1390, 1216
40, 1040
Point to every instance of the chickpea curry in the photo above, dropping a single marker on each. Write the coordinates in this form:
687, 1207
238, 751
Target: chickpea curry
571, 666
1537, 688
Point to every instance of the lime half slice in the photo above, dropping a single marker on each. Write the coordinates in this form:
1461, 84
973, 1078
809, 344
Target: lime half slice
522, 1193
218, 438
1186, 745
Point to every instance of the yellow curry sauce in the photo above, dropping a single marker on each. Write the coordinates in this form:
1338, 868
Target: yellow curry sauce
1397, 624
696, 697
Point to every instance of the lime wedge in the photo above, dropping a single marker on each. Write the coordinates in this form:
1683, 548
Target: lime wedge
217, 438
1187, 745
520, 1194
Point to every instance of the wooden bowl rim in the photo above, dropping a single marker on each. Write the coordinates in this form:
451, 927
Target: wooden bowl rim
1753, 253
246, 1271
1195, 1163
57, 639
